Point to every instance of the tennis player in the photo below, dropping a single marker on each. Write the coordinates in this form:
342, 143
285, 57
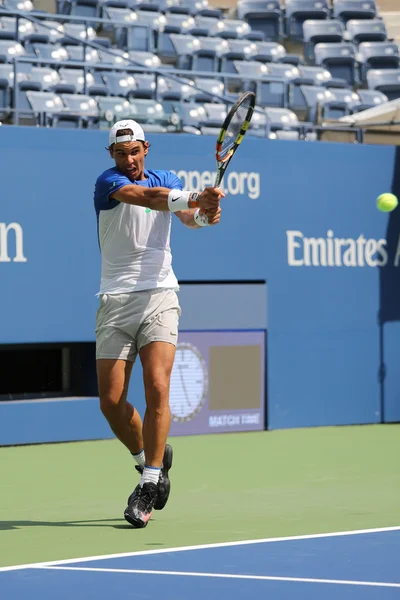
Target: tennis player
139, 309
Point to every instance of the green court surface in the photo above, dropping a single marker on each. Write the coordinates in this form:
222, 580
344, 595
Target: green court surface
63, 501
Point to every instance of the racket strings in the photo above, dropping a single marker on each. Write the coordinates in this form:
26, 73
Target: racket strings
235, 127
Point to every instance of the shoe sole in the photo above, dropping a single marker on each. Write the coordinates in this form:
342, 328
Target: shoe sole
137, 523
167, 464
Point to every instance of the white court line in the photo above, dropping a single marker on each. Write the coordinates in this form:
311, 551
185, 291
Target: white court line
292, 538
227, 576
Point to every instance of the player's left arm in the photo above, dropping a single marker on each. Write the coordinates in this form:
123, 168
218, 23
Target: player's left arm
187, 217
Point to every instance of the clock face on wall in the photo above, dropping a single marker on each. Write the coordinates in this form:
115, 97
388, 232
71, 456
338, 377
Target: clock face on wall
189, 383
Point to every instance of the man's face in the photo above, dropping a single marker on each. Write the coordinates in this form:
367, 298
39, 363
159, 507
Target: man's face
129, 158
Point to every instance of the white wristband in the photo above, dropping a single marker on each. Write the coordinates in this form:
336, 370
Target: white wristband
200, 218
181, 200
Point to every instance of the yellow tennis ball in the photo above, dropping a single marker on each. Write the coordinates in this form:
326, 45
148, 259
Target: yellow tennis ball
387, 202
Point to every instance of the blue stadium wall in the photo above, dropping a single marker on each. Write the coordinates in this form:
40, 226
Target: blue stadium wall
300, 216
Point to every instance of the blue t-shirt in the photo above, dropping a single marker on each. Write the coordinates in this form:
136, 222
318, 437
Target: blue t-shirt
112, 180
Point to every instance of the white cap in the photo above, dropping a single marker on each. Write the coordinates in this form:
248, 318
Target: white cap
137, 135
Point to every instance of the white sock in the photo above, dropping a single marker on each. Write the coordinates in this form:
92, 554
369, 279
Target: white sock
139, 458
150, 474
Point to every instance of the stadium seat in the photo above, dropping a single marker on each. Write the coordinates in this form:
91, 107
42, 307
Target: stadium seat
232, 50
46, 76
119, 83
172, 24
377, 55
282, 123
81, 8
76, 78
232, 28
78, 53
24, 5
298, 11
215, 115
145, 86
46, 106
83, 106
353, 9
74, 33
317, 75
317, 32
267, 52
50, 31
145, 59
366, 30
50, 52
10, 50
8, 28
262, 15
370, 98
341, 104
173, 91
198, 54
386, 81
206, 26
203, 90
150, 113
112, 109
315, 98
5, 95
339, 59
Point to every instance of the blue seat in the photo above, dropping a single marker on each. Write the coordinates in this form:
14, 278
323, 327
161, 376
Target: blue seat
215, 115
268, 52
46, 76
198, 54
171, 24
172, 90
16, 5
339, 59
203, 90
315, 97
206, 25
232, 29
370, 98
317, 32
74, 33
9, 50
377, 55
282, 123
341, 104
46, 105
233, 50
317, 75
262, 15
145, 59
119, 83
112, 109
50, 52
366, 30
298, 11
78, 53
81, 106
76, 78
8, 29
386, 81
354, 9
82, 8
145, 86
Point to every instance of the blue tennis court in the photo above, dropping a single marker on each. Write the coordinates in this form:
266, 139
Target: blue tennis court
360, 565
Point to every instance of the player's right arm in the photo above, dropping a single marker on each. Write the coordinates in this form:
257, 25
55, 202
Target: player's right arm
162, 199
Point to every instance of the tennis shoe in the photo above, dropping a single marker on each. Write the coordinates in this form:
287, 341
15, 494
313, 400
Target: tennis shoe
141, 504
164, 484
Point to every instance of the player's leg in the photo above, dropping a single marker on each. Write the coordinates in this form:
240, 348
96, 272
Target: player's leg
157, 360
156, 341
113, 377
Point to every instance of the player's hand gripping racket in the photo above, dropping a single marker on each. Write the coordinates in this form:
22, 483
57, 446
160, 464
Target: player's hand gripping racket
233, 131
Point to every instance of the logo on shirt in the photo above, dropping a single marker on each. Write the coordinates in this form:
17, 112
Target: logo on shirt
148, 210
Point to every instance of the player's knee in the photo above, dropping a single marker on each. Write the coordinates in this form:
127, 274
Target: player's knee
157, 392
111, 405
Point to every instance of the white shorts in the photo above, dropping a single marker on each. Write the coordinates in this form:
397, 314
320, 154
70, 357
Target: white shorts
127, 322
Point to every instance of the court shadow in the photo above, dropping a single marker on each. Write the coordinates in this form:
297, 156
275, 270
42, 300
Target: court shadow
114, 523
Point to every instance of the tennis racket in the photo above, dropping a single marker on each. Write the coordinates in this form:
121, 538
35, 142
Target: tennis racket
233, 131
